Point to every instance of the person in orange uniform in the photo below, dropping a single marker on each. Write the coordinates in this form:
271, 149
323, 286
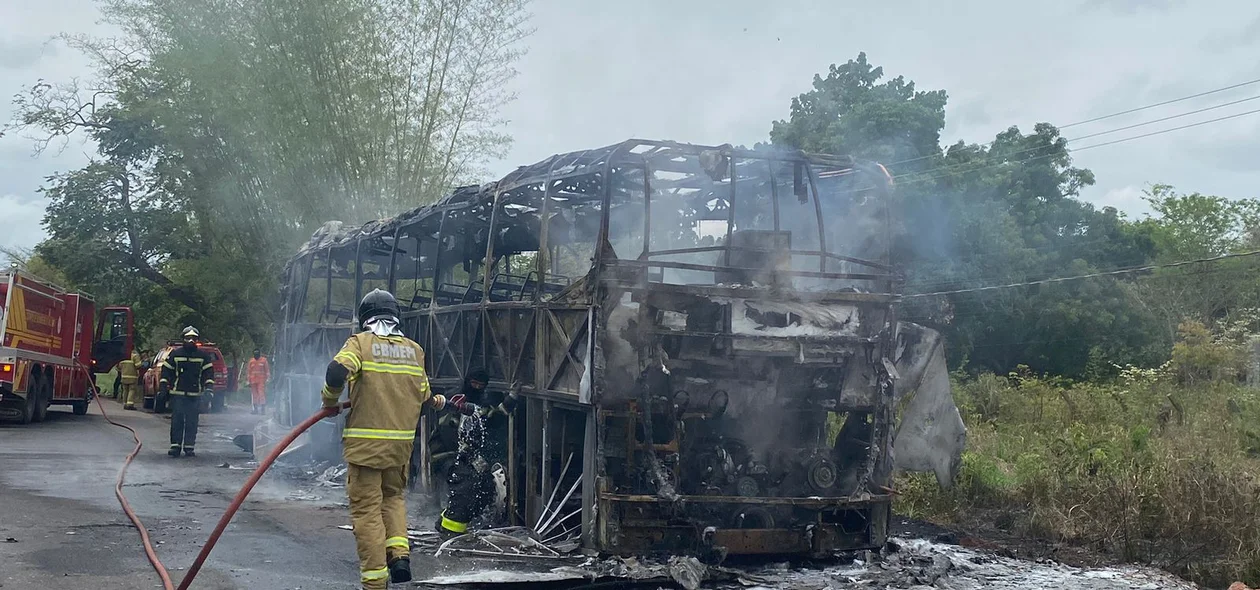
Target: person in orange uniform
259, 374
388, 391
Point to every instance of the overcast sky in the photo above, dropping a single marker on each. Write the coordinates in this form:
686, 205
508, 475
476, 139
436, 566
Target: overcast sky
718, 71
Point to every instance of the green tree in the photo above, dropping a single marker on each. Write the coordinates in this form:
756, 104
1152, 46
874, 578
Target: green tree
1196, 226
852, 112
226, 131
974, 215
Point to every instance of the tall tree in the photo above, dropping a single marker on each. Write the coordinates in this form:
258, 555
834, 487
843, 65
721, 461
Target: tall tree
974, 215
228, 129
1192, 226
852, 112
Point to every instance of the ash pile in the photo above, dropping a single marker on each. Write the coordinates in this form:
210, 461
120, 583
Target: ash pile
904, 564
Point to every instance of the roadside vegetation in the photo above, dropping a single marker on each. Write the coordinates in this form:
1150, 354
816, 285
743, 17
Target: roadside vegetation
1158, 466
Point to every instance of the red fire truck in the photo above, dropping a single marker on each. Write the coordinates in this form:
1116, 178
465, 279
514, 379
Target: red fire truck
48, 350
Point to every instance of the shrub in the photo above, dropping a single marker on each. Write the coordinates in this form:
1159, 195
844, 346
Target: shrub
1158, 467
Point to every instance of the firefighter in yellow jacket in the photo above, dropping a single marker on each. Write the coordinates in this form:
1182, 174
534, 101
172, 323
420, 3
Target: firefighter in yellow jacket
388, 390
129, 374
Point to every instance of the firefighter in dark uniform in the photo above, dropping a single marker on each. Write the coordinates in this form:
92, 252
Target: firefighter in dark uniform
187, 374
443, 446
388, 391
470, 486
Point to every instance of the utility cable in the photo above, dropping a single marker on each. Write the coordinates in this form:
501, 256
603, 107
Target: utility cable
927, 175
1168, 118
1160, 104
1121, 271
1118, 114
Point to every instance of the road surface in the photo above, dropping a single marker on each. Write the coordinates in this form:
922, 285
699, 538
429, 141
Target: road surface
61, 527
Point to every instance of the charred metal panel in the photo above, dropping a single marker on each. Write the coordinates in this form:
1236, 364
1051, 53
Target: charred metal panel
706, 338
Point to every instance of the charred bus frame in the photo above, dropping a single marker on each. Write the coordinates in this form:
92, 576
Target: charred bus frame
701, 335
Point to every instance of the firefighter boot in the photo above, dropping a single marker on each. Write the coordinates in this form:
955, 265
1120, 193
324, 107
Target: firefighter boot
449, 529
174, 452
400, 570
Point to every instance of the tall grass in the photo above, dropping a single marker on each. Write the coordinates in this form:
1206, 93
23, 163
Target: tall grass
1151, 468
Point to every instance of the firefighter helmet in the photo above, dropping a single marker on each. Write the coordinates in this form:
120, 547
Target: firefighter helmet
190, 333
378, 303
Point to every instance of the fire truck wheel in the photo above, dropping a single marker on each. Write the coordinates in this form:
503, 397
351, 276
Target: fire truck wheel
79, 408
44, 400
28, 412
28, 404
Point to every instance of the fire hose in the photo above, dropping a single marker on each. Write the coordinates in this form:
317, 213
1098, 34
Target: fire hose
235, 505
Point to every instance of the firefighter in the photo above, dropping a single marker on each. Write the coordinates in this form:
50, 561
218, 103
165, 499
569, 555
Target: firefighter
494, 408
470, 486
259, 374
129, 373
187, 374
443, 446
388, 391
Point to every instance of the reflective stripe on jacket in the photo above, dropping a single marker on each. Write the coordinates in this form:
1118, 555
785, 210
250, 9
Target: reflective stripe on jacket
128, 369
388, 388
188, 373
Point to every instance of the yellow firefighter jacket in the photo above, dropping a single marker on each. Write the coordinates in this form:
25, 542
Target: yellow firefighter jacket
128, 369
388, 388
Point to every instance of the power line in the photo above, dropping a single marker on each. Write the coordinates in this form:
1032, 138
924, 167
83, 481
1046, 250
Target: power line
948, 172
1160, 104
1119, 114
1168, 118
1162, 131
1144, 268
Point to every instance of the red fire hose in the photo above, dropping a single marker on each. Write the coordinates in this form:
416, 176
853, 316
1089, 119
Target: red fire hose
118, 486
227, 515
249, 485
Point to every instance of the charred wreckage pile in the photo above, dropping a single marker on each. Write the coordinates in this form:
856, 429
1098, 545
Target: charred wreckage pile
705, 340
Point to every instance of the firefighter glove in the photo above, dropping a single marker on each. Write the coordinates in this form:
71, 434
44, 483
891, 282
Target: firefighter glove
462, 405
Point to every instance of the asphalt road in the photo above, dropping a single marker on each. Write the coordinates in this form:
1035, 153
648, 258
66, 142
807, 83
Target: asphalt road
61, 526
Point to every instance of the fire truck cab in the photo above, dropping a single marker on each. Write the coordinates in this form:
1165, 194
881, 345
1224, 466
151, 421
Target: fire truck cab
49, 353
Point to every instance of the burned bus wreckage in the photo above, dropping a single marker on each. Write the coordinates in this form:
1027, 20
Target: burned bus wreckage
705, 340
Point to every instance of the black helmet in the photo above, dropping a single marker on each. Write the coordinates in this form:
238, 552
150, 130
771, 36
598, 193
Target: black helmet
378, 303
478, 374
